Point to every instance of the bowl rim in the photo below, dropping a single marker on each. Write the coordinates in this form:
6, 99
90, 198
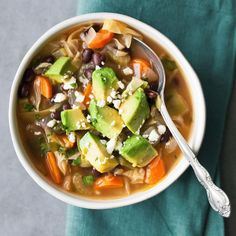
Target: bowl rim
195, 140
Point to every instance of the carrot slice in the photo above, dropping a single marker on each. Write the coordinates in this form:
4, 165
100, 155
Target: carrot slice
144, 65
155, 171
101, 39
108, 182
66, 141
53, 168
45, 86
87, 92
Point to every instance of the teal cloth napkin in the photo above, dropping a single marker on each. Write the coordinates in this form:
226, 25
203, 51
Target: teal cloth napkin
205, 33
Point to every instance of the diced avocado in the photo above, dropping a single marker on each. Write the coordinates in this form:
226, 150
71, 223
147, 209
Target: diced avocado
103, 81
138, 151
176, 104
95, 152
57, 70
135, 110
73, 119
105, 120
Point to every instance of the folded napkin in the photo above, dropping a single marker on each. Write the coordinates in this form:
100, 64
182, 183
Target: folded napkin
205, 33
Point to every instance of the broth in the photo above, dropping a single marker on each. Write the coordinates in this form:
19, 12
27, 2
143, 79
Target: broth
32, 132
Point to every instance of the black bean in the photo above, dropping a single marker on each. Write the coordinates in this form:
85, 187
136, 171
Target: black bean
28, 75
98, 59
95, 173
56, 115
48, 59
153, 85
66, 106
87, 55
88, 73
151, 94
24, 90
166, 136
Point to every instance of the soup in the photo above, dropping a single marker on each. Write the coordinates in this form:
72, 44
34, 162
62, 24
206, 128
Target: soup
87, 112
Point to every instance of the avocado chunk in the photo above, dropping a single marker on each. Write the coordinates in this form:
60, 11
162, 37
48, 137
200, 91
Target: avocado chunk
138, 151
135, 110
57, 70
95, 152
73, 119
103, 81
105, 120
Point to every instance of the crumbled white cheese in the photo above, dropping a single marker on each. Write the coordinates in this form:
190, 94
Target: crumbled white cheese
116, 103
127, 71
111, 145
102, 63
121, 85
69, 84
120, 111
161, 129
101, 103
113, 93
113, 123
88, 118
83, 124
97, 67
78, 125
103, 141
71, 137
79, 96
74, 106
109, 99
37, 133
91, 96
153, 136
59, 97
145, 135
51, 123
83, 80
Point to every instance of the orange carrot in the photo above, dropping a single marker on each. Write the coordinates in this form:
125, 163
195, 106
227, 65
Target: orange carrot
101, 39
65, 140
53, 168
108, 182
87, 92
144, 65
155, 171
45, 86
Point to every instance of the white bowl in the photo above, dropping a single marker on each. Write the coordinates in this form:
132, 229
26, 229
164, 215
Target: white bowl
193, 83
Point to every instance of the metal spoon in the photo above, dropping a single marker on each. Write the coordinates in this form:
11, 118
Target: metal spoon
216, 196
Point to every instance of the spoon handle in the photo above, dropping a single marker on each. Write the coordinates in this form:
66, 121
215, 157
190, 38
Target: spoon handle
216, 196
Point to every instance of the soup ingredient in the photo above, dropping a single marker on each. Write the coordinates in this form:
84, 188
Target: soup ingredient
76, 162
87, 93
58, 69
95, 152
168, 64
104, 80
87, 55
28, 107
101, 39
98, 59
88, 180
135, 117
136, 175
24, 90
79, 184
142, 64
138, 151
74, 119
53, 168
66, 142
108, 182
155, 171
105, 120
176, 104
45, 86
118, 27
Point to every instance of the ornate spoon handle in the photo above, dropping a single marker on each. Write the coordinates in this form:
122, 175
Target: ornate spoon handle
216, 196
